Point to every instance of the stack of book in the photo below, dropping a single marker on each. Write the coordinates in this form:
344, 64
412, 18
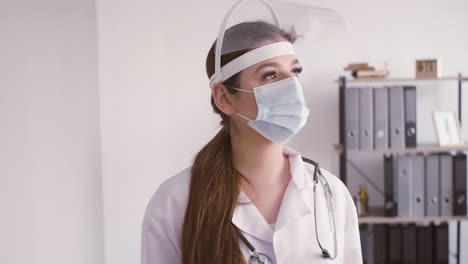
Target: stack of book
366, 70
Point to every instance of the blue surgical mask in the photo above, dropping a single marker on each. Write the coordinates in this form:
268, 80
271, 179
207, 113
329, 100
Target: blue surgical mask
282, 110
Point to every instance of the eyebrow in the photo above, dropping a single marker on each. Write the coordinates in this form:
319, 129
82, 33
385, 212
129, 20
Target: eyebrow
296, 61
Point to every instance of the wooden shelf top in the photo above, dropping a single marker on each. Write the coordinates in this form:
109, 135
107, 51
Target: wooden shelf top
429, 148
446, 78
408, 220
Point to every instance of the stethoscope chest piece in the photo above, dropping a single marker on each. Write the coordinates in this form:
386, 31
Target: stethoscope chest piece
325, 253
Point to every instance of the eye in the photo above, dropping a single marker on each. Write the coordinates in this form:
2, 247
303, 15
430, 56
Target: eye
269, 75
297, 71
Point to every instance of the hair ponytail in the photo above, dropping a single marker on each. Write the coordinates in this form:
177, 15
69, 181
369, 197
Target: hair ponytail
208, 235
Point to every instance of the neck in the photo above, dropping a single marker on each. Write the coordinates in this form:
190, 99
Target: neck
260, 161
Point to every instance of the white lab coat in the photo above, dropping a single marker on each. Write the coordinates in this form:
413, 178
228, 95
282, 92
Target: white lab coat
293, 238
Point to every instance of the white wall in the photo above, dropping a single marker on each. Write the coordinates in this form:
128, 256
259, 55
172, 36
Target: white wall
50, 179
154, 105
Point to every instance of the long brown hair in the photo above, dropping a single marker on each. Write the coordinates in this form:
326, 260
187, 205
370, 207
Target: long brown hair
208, 235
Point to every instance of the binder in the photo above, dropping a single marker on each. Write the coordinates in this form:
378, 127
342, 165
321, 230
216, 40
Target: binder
376, 244
453, 243
410, 116
366, 118
352, 117
380, 247
365, 243
404, 188
432, 185
441, 246
396, 117
389, 186
417, 206
381, 118
446, 184
424, 246
408, 244
463, 235
394, 244
460, 184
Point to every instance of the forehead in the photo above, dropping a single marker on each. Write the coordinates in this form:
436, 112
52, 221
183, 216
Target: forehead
283, 61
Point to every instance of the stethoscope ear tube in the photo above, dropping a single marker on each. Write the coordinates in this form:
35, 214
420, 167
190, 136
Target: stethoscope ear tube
316, 168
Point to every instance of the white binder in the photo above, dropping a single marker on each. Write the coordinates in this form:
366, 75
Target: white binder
381, 118
432, 185
396, 116
366, 128
417, 182
352, 117
404, 185
446, 184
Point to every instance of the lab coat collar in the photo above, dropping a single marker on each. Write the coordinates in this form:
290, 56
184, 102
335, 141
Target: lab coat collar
298, 172
247, 217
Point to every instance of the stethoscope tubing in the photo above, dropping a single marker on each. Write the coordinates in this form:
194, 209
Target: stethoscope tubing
328, 195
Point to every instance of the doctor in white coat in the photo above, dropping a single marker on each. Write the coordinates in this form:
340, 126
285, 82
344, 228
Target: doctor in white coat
248, 198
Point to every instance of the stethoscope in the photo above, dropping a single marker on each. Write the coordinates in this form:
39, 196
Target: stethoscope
261, 258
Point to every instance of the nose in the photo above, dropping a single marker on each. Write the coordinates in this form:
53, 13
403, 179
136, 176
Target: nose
285, 75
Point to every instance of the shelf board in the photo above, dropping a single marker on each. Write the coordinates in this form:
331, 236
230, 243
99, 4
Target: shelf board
430, 148
408, 220
447, 78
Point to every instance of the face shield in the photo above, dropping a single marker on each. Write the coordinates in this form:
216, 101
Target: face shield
256, 30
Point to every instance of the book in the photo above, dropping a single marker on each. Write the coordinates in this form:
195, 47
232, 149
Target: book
370, 74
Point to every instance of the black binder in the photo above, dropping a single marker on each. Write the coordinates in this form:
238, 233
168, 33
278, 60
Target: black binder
394, 244
380, 244
424, 245
459, 184
390, 206
409, 93
409, 244
441, 244
364, 235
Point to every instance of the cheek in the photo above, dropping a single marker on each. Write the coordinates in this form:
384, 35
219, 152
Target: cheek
248, 105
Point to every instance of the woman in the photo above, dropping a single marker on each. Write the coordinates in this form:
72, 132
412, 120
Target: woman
245, 182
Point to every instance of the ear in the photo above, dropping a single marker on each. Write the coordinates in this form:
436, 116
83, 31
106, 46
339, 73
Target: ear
223, 99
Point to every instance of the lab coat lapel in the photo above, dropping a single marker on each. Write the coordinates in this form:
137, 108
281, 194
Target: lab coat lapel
293, 206
248, 219
296, 237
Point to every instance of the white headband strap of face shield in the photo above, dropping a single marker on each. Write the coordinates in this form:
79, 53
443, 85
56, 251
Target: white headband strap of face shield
252, 57
218, 74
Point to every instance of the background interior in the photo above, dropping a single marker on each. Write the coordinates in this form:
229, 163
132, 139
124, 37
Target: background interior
101, 101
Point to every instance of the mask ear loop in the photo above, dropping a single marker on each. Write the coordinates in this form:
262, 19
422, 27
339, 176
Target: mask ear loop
238, 89
219, 42
243, 116
242, 90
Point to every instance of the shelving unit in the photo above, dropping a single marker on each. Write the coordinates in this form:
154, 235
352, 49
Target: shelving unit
364, 80
423, 148
343, 151
408, 220
342, 147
